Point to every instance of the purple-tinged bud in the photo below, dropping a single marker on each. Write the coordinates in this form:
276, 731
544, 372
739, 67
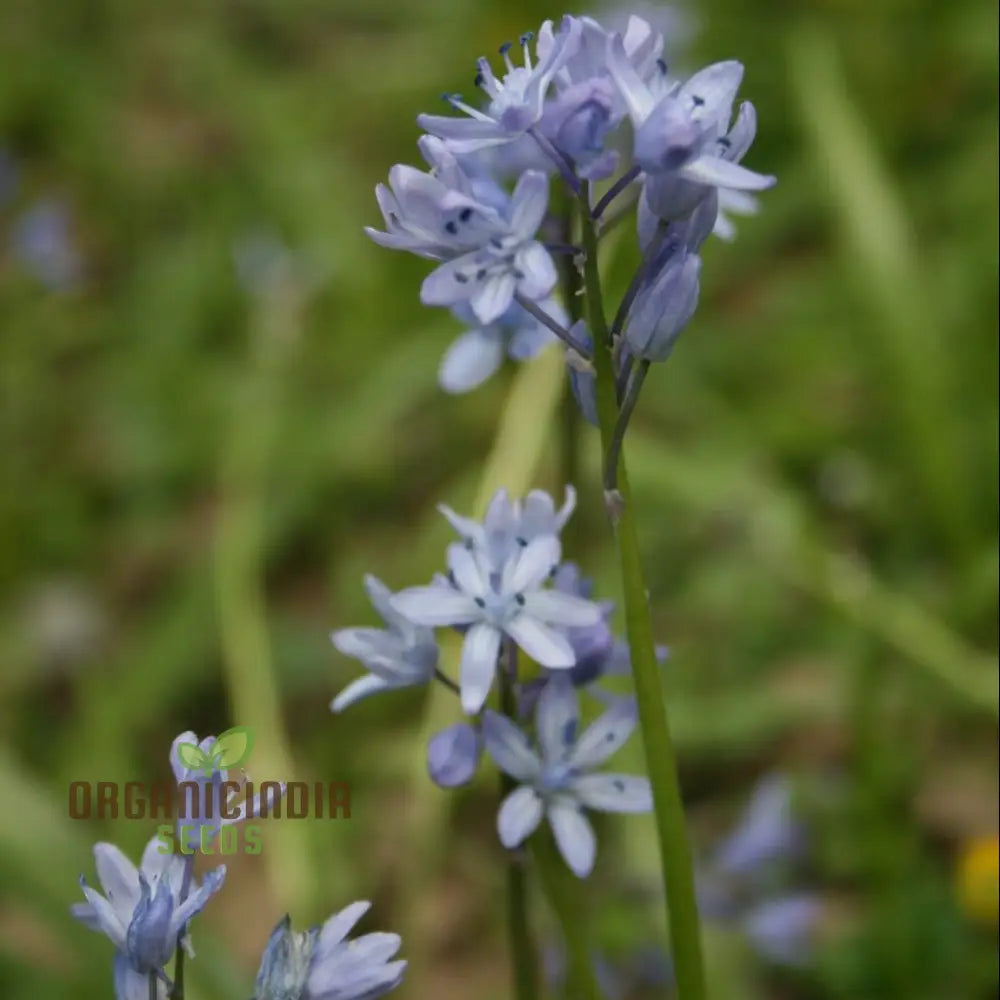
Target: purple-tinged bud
453, 755
664, 307
149, 943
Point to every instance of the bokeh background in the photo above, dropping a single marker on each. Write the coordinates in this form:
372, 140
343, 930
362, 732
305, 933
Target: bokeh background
219, 410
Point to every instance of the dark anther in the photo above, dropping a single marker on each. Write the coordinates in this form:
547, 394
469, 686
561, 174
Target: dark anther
522, 542
497, 242
478, 80
519, 600
697, 101
481, 274
661, 65
620, 785
480, 603
462, 279
465, 214
452, 227
723, 141
610, 738
526, 37
506, 47
518, 275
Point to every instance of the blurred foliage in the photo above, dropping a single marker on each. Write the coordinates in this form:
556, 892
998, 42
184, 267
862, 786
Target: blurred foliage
197, 474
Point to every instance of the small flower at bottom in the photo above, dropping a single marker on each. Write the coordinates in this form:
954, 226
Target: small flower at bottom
558, 783
319, 964
141, 911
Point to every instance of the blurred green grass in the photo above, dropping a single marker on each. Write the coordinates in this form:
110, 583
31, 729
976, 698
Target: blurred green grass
196, 478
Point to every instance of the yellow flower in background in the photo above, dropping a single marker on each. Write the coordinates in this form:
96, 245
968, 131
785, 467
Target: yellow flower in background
978, 878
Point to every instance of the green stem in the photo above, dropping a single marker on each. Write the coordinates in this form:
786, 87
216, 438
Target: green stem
675, 854
570, 422
522, 952
177, 993
153, 988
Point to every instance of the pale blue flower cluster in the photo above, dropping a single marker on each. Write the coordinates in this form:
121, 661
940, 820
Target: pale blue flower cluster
745, 881
145, 912
507, 592
586, 104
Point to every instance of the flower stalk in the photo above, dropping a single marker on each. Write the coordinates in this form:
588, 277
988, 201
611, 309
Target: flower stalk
675, 853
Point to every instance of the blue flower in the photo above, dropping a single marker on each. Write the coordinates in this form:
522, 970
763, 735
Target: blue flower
516, 99
766, 832
682, 137
479, 352
557, 782
509, 261
319, 964
210, 789
587, 105
734, 887
453, 755
42, 241
510, 525
781, 930
403, 655
435, 215
141, 911
511, 602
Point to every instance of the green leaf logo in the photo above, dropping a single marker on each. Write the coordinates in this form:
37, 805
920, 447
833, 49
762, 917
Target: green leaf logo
230, 749
192, 756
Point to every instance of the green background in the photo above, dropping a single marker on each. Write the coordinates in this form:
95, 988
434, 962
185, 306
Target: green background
196, 477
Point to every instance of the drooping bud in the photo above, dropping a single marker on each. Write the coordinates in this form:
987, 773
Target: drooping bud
664, 307
453, 755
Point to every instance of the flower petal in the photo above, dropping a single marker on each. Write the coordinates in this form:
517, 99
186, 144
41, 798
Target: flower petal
492, 297
519, 816
574, 835
543, 644
105, 916
470, 360
509, 747
621, 793
180, 771
638, 97
557, 608
361, 688
606, 734
119, 878
436, 606
196, 900
528, 204
715, 171
557, 717
538, 271
340, 925
712, 91
479, 664
532, 564
468, 573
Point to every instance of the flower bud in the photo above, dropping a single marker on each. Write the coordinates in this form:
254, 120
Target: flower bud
662, 309
453, 755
